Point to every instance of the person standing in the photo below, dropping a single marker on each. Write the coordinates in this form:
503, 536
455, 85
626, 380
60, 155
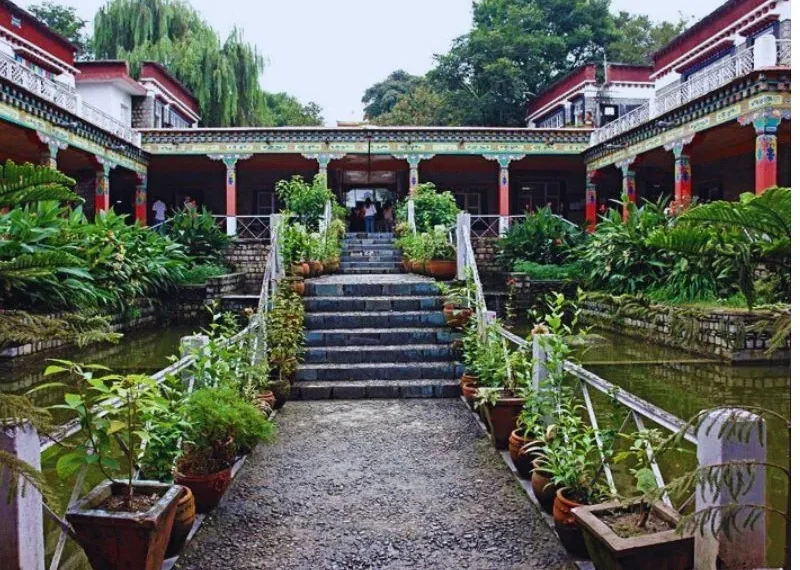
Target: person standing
388, 218
160, 216
369, 215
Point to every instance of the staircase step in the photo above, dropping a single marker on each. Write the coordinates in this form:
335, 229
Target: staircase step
374, 389
357, 248
379, 354
369, 243
372, 256
378, 371
356, 304
344, 320
371, 271
354, 288
363, 235
379, 336
368, 264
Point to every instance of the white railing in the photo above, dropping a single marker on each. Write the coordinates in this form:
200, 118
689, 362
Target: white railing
246, 227
696, 86
326, 218
493, 225
273, 273
65, 97
784, 52
412, 217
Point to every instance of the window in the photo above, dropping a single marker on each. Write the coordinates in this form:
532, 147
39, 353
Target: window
125, 114
468, 201
265, 203
16, 21
537, 195
158, 110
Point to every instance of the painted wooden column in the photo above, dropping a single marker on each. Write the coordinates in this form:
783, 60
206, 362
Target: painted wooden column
504, 186
591, 201
766, 125
683, 174
140, 202
49, 157
230, 160
102, 185
413, 168
628, 185
324, 159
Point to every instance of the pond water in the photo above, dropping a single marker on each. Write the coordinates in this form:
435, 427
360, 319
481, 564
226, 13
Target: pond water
143, 351
683, 384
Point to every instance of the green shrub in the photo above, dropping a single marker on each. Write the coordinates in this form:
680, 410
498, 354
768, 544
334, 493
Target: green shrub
541, 237
199, 274
198, 232
547, 272
306, 200
431, 208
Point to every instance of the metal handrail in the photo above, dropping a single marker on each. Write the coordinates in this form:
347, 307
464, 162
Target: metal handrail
412, 217
248, 227
784, 47
696, 86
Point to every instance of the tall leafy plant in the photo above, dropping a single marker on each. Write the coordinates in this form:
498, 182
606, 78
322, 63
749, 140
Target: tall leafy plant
305, 200
199, 233
542, 237
431, 207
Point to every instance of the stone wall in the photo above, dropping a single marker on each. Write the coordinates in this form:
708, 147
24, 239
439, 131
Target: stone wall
249, 256
485, 249
527, 292
719, 333
191, 300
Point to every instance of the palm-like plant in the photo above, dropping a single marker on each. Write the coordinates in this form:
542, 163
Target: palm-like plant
27, 183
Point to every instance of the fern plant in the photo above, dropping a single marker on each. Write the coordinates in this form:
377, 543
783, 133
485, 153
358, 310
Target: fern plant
27, 183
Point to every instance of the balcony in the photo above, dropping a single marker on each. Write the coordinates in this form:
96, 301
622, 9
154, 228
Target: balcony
695, 87
66, 98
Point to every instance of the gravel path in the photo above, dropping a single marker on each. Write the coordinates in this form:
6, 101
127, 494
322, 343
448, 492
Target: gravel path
383, 484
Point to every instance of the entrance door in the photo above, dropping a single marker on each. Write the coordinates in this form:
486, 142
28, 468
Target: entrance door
355, 198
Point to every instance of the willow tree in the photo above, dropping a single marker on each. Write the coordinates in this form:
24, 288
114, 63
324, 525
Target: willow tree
224, 76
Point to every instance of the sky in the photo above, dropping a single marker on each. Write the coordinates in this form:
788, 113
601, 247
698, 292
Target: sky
330, 51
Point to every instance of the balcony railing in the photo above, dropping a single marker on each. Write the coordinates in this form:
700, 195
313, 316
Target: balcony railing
65, 97
784, 53
696, 86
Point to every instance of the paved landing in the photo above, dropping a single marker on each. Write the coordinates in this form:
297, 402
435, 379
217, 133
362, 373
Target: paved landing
386, 484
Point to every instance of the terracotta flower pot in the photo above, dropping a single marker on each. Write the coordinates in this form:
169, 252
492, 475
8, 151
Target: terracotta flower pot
266, 401
442, 269
281, 390
503, 418
306, 269
544, 492
567, 526
468, 378
665, 550
522, 461
207, 488
406, 264
184, 521
469, 390
298, 285
416, 266
120, 540
297, 269
318, 267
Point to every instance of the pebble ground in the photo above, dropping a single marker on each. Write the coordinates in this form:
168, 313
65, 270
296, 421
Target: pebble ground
381, 484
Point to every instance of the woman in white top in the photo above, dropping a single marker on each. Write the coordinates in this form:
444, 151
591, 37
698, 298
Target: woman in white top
369, 215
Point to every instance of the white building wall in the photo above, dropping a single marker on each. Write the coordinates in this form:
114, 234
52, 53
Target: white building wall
109, 98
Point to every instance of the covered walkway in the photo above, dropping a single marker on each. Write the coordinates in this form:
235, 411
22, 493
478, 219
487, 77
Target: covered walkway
376, 484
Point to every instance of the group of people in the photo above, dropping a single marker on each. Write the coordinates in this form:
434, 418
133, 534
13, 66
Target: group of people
363, 217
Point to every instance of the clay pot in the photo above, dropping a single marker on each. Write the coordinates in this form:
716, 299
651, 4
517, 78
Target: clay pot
442, 269
567, 526
545, 493
306, 269
298, 285
522, 461
416, 266
122, 541
268, 398
207, 488
318, 267
184, 521
468, 378
297, 269
469, 390
406, 264
281, 389
503, 419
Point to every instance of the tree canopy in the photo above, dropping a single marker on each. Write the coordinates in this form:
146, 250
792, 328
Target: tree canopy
637, 37
224, 76
384, 95
65, 21
420, 107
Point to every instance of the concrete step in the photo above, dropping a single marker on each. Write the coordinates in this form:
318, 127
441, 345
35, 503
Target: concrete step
355, 354
358, 247
374, 389
368, 243
353, 287
365, 235
378, 371
379, 256
367, 264
368, 319
379, 336
354, 304
371, 271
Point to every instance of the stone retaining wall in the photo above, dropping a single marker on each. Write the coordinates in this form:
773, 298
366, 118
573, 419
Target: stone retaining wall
719, 333
527, 291
191, 300
485, 250
249, 256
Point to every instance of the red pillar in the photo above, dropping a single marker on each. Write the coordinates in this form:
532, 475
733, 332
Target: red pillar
591, 202
503, 192
683, 180
628, 189
140, 203
102, 195
766, 161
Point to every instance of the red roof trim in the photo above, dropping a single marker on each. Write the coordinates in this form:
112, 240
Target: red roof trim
620, 72
30, 18
759, 25
155, 70
579, 75
716, 50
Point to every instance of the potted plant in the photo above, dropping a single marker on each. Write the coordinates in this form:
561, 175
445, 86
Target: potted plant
456, 307
121, 523
222, 423
526, 442
639, 532
442, 262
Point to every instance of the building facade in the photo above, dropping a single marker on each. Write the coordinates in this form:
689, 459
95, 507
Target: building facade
709, 119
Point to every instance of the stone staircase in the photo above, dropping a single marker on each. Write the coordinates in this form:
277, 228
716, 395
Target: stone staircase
375, 332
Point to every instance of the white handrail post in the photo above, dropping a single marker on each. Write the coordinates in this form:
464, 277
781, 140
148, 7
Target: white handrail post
462, 221
540, 348
502, 225
275, 221
326, 218
730, 435
22, 528
192, 344
412, 222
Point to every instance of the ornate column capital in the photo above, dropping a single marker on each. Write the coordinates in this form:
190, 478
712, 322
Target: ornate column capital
230, 159
625, 164
414, 159
765, 121
504, 159
324, 158
106, 164
54, 144
677, 145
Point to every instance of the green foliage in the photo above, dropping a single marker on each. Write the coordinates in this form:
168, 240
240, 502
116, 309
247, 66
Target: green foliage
437, 243
200, 274
381, 98
638, 38
26, 183
305, 200
285, 332
20, 327
165, 425
296, 244
199, 234
65, 21
423, 106
431, 207
542, 237
547, 272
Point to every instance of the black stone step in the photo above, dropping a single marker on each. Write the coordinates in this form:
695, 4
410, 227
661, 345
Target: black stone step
379, 336
357, 304
365, 235
378, 371
371, 256
374, 389
356, 354
371, 319
377, 289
